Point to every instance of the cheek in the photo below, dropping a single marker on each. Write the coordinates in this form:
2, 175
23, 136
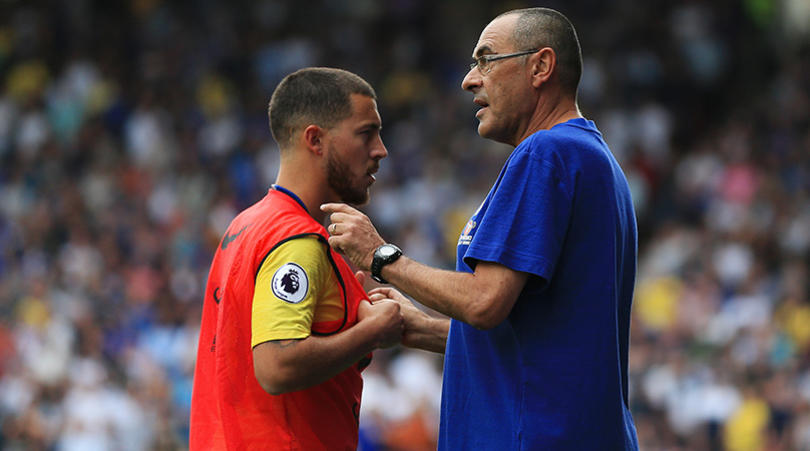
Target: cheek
503, 98
495, 99
356, 160
509, 105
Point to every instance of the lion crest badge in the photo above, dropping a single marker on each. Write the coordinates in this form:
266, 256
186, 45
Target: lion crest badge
290, 283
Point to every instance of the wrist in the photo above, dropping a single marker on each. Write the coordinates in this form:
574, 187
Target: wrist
384, 255
370, 334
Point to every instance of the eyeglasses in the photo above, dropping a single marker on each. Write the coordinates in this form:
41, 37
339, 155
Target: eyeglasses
483, 62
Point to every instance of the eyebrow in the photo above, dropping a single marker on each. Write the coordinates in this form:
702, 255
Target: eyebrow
481, 50
371, 126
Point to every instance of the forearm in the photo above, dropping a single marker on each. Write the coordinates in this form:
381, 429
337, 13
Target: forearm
483, 298
455, 294
429, 335
288, 365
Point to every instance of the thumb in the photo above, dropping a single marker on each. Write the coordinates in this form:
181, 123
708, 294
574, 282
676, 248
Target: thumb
361, 277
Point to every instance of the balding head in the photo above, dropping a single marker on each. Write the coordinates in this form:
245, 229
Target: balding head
536, 28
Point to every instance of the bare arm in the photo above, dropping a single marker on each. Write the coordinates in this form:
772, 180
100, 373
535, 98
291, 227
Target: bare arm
283, 366
482, 299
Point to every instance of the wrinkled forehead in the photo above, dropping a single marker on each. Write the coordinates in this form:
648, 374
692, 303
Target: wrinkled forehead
497, 36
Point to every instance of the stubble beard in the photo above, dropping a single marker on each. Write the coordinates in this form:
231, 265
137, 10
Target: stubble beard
339, 179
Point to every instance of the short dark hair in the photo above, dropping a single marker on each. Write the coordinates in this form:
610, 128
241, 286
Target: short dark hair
544, 27
314, 95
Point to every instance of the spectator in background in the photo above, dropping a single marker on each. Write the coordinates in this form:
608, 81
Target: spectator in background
537, 353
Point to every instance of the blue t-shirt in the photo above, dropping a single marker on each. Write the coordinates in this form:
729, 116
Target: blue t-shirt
553, 375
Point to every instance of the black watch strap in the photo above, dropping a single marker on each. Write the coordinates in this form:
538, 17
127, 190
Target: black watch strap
384, 255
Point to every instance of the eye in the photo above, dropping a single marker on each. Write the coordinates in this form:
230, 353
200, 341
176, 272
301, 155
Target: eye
367, 135
481, 63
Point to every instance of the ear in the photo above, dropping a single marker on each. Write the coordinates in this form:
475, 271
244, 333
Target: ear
313, 139
543, 64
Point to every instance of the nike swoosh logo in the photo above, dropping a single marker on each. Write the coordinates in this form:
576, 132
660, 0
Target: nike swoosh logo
227, 239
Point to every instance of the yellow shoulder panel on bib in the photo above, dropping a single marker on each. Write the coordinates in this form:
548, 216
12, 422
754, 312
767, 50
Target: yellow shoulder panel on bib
295, 286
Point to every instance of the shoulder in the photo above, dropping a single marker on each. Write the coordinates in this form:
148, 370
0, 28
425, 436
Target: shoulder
305, 251
281, 220
297, 261
568, 145
545, 147
574, 132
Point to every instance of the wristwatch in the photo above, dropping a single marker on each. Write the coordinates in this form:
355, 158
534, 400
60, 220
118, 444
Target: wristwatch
384, 255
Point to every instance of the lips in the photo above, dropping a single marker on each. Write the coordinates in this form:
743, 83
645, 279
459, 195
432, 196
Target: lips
482, 103
371, 173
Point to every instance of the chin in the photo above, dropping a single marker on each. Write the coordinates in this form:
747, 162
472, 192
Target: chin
356, 198
482, 130
494, 134
485, 132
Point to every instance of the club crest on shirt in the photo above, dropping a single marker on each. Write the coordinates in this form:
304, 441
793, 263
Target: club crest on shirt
290, 283
466, 235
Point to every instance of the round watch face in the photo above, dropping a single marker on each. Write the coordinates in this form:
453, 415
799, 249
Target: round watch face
387, 251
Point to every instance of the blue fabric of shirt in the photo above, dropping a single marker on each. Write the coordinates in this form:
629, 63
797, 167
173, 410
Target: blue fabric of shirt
553, 375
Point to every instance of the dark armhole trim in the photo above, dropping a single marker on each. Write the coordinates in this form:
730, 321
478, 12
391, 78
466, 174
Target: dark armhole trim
342, 287
334, 268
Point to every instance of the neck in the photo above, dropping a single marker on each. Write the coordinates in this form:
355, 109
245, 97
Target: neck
558, 111
306, 183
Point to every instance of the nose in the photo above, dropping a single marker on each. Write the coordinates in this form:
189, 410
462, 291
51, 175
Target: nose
472, 80
379, 151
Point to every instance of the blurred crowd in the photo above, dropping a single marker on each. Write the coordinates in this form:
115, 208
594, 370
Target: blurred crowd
132, 132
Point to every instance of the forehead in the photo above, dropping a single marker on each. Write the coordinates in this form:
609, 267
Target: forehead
497, 36
364, 111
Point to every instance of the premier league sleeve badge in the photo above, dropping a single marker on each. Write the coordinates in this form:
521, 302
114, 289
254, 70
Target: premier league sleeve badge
290, 283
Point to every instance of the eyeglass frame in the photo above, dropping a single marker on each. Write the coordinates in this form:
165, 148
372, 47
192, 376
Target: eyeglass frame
490, 57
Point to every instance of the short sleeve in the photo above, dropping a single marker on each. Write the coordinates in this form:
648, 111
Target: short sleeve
288, 285
525, 221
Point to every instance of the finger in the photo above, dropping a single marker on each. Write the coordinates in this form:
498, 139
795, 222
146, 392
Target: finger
361, 277
384, 300
380, 290
389, 292
335, 244
332, 228
340, 217
334, 206
376, 297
